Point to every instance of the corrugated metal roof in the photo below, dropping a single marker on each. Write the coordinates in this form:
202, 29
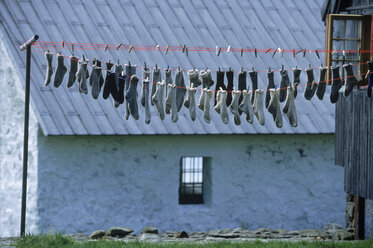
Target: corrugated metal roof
261, 24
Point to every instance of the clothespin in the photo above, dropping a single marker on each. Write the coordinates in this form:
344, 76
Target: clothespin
241, 68
269, 68
178, 68
157, 47
156, 66
129, 63
241, 52
186, 51
304, 53
167, 49
293, 53
309, 66
267, 51
106, 47
252, 68
317, 54
131, 47
282, 68
59, 52
119, 45
344, 53
123, 74
228, 49
274, 53
184, 48
219, 68
63, 44
256, 53
145, 66
168, 67
219, 51
230, 68
281, 51
72, 49
118, 62
83, 58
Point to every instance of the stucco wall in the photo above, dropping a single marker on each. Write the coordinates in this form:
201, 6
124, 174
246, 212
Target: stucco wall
11, 152
277, 181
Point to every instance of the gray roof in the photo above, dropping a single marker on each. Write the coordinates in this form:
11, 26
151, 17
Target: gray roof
257, 24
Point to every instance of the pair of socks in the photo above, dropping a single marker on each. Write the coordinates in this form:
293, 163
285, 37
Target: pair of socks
336, 84
254, 81
81, 76
274, 107
284, 83
207, 81
157, 99
194, 82
112, 88
258, 106
219, 84
311, 87
60, 71
271, 85
131, 97
322, 84
171, 106
246, 106
221, 105
289, 107
130, 71
180, 89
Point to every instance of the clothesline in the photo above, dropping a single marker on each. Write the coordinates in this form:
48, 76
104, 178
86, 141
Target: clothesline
185, 70
184, 48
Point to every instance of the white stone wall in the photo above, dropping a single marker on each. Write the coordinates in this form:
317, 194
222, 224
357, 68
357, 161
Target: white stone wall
11, 152
276, 181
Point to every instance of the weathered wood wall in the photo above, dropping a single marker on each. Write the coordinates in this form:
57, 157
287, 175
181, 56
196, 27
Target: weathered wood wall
353, 142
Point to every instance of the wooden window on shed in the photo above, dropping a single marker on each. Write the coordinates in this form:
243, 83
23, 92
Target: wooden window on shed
191, 180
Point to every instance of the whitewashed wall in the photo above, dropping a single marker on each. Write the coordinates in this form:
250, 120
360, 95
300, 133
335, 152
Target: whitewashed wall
11, 152
276, 181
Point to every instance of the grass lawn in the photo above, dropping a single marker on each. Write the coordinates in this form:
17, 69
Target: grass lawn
60, 241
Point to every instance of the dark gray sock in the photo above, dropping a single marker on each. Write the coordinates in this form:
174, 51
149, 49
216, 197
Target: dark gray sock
274, 107
130, 71
230, 86
107, 84
131, 97
284, 83
60, 71
311, 87
95, 79
254, 81
81, 76
49, 72
246, 106
180, 89
350, 80
158, 99
157, 78
72, 71
289, 107
322, 84
296, 80
241, 86
336, 84
145, 76
207, 81
145, 90
271, 85
118, 71
234, 107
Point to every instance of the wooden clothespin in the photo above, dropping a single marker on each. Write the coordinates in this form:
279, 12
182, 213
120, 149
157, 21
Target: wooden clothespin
106, 47
119, 45
228, 49
168, 47
241, 68
145, 66
282, 67
83, 58
118, 62
274, 53
309, 66
129, 63
267, 51
72, 49
269, 68
178, 68
219, 51
63, 44
184, 48
304, 53
187, 52
317, 54
131, 47
281, 51
219, 68
156, 67
293, 53
256, 53
157, 47
252, 68
230, 68
241, 52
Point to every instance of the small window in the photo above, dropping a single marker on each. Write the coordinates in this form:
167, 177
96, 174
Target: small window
191, 180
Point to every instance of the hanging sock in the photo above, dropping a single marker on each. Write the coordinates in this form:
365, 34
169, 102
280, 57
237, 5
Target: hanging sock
234, 107
121, 82
60, 71
370, 79
81, 76
95, 79
254, 81
246, 106
49, 72
180, 89
285, 82
118, 90
201, 103
131, 97
72, 71
106, 91
158, 99
192, 102
274, 107
271, 85
145, 94
130, 71
258, 106
322, 84
296, 80
311, 87
350, 80
207, 81
336, 84
241, 86
206, 109
101, 81
230, 76
145, 76
221, 105
194, 82
289, 107
157, 78
171, 107
219, 84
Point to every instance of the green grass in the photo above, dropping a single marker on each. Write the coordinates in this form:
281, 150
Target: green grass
60, 241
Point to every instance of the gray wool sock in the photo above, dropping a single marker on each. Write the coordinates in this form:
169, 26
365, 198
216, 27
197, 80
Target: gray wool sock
311, 87
201, 103
145, 92
207, 81
81, 76
157, 78
246, 106
194, 82
258, 106
336, 84
145, 76
206, 109
285, 82
234, 107
296, 80
130, 71
72, 71
60, 71
350, 80
221, 105
95, 79
274, 107
192, 102
289, 107
322, 84
254, 81
180, 89
171, 102
168, 78
271, 85
131, 97
158, 99
49, 72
